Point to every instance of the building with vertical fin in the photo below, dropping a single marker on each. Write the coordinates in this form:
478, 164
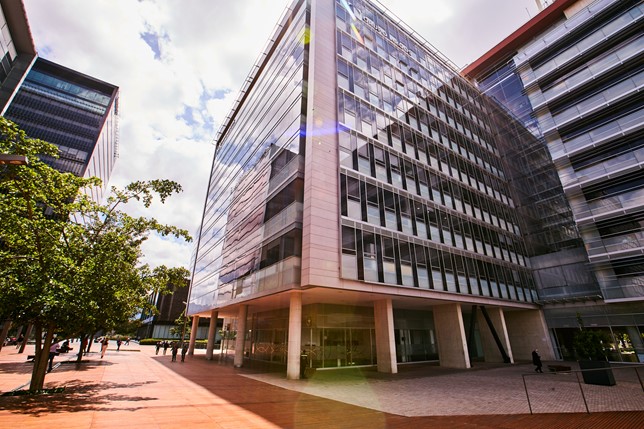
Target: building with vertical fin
361, 210
573, 76
76, 112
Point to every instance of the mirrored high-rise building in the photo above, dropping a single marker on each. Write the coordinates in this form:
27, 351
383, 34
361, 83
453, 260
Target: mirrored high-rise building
360, 210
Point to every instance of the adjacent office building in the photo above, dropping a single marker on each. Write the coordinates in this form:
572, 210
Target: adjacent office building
573, 76
76, 112
169, 308
16, 49
361, 209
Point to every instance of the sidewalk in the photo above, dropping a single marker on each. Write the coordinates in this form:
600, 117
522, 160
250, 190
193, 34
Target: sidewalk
136, 387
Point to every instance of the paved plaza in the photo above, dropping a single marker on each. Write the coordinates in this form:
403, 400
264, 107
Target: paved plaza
135, 386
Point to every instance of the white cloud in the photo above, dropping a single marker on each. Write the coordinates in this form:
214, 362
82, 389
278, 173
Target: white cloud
206, 50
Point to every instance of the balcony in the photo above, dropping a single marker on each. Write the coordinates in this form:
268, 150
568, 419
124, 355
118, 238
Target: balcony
291, 215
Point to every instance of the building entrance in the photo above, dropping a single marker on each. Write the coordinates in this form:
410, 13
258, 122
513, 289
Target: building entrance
338, 347
415, 345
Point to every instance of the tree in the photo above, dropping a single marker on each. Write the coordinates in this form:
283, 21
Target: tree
589, 344
67, 264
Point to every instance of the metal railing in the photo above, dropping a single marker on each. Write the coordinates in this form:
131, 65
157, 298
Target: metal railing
547, 387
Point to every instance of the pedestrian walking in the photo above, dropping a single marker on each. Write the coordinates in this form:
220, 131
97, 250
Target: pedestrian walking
536, 360
53, 351
184, 350
175, 349
118, 345
104, 344
158, 347
165, 347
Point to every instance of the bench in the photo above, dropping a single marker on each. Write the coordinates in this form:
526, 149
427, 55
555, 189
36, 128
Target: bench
559, 368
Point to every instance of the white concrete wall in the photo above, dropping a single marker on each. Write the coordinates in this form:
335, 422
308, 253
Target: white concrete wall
321, 218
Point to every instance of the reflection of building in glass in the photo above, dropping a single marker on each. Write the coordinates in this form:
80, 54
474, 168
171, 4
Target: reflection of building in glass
361, 209
169, 308
75, 112
573, 75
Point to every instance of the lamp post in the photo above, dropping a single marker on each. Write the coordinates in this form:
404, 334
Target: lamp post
8, 159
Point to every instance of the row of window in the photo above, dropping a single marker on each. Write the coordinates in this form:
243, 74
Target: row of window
390, 167
448, 157
422, 115
395, 93
369, 203
372, 29
65, 118
68, 89
44, 131
373, 257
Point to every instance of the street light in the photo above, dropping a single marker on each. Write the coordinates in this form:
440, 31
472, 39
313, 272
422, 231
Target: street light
7, 159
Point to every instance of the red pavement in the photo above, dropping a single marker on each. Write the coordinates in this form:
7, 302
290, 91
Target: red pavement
139, 388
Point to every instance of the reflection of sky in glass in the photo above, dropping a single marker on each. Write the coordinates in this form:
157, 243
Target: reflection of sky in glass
270, 117
353, 18
398, 92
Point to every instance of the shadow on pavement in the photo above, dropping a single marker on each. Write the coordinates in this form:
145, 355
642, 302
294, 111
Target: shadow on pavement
79, 395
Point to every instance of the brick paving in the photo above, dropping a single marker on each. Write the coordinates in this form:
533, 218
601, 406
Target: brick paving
135, 386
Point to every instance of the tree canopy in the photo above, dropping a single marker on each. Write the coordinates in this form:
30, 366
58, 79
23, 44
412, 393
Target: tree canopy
68, 264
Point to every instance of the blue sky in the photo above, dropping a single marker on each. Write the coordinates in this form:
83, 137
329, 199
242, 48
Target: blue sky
180, 65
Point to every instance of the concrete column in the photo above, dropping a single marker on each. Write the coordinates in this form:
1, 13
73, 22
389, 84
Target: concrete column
241, 336
450, 333
527, 330
212, 334
383, 312
193, 335
294, 336
490, 349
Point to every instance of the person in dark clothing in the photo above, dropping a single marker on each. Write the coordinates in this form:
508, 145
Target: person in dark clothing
165, 346
175, 349
536, 360
184, 350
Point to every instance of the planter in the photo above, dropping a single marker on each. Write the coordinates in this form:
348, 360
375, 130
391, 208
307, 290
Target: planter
602, 378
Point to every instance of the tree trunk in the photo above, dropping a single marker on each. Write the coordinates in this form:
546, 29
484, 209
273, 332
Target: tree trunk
89, 342
5, 331
81, 347
42, 356
30, 327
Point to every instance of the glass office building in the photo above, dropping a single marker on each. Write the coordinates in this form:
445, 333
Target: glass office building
360, 209
76, 112
573, 75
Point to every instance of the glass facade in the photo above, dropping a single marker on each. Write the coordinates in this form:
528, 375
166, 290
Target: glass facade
579, 82
250, 237
358, 183
425, 201
73, 111
585, 86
